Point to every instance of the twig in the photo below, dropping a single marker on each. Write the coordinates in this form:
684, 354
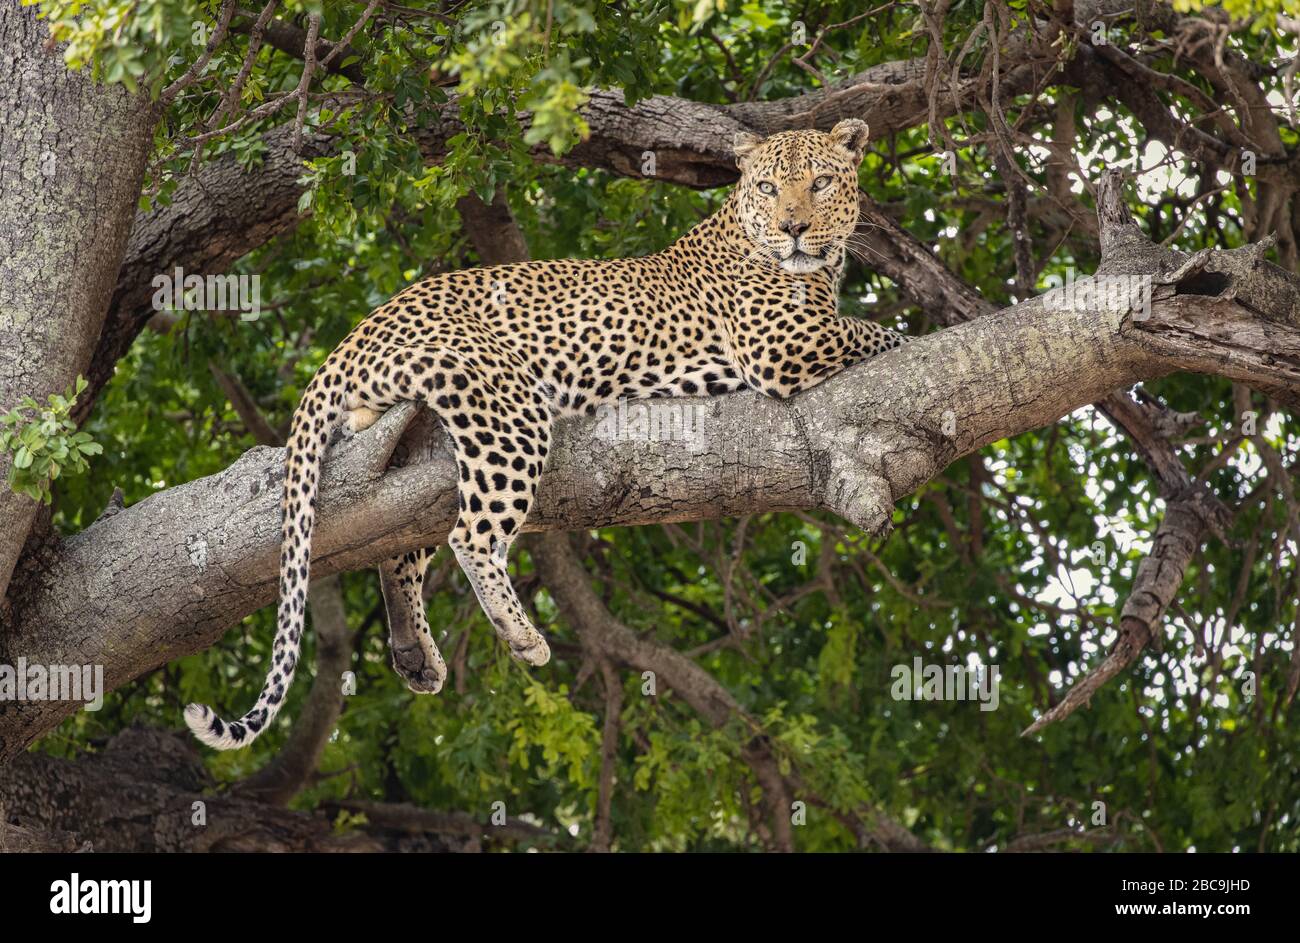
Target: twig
308, 69
193, 72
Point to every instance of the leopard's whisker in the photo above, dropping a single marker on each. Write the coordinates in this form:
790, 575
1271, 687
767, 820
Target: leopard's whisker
858, 243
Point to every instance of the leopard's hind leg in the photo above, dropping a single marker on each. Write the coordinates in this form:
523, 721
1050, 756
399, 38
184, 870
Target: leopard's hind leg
501, 430
415, 655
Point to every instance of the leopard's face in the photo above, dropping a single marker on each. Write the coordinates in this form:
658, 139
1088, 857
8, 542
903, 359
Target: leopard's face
797, 198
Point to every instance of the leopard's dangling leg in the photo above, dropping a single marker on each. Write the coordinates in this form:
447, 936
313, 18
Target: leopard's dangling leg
483, 560
415, 655
501, 432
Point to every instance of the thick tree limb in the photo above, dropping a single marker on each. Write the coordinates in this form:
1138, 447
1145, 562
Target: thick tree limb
603, 834
216, 216
492, 229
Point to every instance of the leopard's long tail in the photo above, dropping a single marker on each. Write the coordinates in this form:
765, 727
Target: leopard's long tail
315, 419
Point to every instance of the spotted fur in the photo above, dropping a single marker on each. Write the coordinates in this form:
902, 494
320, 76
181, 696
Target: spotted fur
746, 298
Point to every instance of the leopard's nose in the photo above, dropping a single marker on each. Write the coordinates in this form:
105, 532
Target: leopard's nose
792, 228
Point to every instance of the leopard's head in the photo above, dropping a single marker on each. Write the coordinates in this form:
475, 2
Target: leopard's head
797, 199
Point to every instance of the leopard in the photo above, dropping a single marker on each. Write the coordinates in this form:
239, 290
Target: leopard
746, 299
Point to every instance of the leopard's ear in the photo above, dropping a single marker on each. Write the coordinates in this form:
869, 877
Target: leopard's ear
743, 145
852, 134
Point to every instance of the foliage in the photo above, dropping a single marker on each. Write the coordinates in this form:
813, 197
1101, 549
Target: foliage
993, 563
45, 442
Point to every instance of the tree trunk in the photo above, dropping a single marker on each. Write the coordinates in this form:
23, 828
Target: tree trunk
72, 155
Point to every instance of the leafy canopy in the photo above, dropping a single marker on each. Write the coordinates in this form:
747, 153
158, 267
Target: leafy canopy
1020, 556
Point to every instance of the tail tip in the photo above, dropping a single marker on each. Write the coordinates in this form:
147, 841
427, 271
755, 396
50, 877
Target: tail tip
199, 719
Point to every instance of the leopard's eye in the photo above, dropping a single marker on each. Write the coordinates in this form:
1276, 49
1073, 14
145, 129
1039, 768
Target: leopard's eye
767, 187
821, 183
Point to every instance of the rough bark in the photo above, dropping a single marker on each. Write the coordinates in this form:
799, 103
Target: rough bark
148, 791
72, 156
492, 229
